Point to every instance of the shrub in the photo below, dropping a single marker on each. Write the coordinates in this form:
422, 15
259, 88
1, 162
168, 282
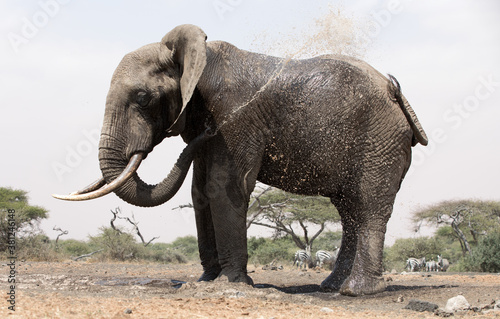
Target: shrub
37, 248
186, 246
161, 252
487, 253
395, 256
74, 248
117, 245
328, 241
282, 249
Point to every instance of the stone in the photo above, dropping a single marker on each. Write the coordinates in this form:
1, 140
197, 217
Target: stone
421, 306
443, 313
458, 303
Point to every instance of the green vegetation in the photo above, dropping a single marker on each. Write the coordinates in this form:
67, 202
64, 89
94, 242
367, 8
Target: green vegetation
466, 234
18, 217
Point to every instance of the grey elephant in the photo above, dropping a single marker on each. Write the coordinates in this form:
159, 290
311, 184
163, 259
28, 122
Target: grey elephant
330, 126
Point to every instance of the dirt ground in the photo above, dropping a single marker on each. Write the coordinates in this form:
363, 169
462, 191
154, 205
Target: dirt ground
129, 290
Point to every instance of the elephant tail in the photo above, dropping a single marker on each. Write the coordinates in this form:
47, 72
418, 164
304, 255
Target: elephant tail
419, 135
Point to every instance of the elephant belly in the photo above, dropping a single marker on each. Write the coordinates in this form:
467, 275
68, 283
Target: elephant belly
305, 172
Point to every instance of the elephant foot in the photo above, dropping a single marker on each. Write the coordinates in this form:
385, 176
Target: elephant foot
362, 285
332, 283
237, 277
210, 274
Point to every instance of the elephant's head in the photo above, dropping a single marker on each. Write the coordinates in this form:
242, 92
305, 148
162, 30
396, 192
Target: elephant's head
146, 102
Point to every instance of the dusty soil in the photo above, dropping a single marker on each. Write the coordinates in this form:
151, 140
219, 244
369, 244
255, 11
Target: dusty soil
119, 290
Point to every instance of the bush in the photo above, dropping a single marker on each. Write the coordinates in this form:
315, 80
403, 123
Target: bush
253, 243
161, 252
328, 241
74, 248
487, 253
264, 252
186, 246
37, 248
395, 256
467, 263
117, 245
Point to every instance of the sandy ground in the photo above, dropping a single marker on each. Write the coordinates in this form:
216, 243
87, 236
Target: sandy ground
129, 290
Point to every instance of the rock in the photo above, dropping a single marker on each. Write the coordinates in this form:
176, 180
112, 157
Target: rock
326, 309
421, 306
442, 313
457, 303
128, 311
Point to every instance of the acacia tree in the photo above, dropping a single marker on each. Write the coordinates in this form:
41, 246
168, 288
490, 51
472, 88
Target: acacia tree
25, 219
289, 214
469, 219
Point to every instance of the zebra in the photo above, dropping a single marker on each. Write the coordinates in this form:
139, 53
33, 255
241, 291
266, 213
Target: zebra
414, 264
442, 263
431, 266
326, 257
302, 258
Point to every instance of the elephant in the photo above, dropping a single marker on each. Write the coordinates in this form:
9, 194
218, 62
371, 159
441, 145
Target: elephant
329, 126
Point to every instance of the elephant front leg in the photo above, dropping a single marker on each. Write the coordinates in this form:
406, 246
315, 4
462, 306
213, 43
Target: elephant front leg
229, 220
228, 199
207, 246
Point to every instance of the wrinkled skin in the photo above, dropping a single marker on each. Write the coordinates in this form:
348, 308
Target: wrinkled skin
330, 126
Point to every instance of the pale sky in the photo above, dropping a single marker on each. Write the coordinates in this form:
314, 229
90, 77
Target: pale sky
58, 57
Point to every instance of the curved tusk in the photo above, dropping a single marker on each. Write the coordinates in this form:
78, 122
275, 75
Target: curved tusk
92, 187
90, 192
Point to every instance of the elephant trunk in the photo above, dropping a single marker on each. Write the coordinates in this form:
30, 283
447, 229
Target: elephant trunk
130, 187
135, 191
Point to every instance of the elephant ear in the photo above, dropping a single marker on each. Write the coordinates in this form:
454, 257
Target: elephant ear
188, 45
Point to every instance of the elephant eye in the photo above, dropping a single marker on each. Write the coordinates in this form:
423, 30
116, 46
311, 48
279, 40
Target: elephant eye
142, 99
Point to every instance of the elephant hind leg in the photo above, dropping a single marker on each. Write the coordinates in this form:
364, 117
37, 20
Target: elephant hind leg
366, 274
345, 259
358, 269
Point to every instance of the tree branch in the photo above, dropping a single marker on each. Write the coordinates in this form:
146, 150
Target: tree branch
188, 205
112, 221
62, 233
87, 255
134, 223
318, 232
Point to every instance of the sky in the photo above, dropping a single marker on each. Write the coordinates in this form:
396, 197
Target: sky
58, 56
